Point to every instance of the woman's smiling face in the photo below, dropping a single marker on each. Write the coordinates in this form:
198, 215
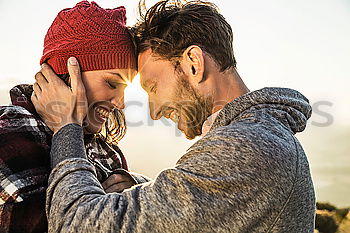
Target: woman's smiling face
104, 92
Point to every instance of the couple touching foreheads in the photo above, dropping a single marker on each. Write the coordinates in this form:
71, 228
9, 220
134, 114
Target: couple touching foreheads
61, 167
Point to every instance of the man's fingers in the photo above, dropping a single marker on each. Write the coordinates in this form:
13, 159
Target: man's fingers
75, 75
36, 88
48, 73
34, 98
40, 79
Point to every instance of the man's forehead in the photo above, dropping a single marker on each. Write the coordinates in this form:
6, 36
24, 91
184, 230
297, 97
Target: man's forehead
147, 65
144, 58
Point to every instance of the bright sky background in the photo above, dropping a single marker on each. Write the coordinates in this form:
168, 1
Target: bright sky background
298, 44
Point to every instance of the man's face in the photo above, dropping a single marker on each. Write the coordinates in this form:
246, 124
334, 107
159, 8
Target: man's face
171, 95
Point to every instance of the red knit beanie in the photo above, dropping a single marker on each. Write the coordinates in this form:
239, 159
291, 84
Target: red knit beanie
97, 37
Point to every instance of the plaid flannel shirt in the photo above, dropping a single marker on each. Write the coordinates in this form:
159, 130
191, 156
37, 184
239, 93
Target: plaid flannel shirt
24, 163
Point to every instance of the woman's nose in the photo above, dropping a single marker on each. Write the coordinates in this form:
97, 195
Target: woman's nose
118, 101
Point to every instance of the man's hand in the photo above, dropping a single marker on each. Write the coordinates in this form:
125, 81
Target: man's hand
117, 183
57, 103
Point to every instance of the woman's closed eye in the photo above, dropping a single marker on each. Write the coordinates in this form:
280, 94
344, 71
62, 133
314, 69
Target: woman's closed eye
114, 84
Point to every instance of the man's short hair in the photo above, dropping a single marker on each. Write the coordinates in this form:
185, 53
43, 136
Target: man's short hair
170, 27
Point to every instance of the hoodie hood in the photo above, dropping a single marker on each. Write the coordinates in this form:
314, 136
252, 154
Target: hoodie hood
287, 106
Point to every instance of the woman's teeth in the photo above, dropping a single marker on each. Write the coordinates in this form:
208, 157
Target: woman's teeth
102, 112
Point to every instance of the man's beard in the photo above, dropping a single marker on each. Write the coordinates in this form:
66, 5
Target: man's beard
193, 108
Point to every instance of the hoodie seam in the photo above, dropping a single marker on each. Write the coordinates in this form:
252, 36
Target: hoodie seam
292, 190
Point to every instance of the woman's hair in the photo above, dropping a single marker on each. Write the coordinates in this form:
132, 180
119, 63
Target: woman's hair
114, 129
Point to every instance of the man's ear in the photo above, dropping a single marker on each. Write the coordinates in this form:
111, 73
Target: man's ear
193, 63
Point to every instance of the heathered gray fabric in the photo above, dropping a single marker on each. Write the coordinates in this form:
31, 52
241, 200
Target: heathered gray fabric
248, 174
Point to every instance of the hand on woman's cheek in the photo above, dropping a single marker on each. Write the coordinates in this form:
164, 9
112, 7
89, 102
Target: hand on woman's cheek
55, 102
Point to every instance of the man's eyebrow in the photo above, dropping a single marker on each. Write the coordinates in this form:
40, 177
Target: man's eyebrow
147, 83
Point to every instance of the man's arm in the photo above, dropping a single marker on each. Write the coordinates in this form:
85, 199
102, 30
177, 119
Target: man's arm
178, 200
76, 201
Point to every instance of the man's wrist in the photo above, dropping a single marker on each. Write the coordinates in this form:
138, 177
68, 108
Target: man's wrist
68, 122
67, 142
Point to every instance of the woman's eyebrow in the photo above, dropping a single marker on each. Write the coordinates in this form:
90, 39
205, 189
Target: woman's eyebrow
120, 76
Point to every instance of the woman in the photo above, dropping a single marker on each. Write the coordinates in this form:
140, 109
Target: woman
100, 40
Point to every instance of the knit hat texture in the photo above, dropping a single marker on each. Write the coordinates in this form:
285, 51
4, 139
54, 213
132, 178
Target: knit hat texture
97, 37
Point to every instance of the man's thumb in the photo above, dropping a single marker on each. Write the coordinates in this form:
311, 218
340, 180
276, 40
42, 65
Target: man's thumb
75, 75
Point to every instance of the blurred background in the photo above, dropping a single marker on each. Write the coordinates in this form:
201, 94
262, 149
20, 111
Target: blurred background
299, 44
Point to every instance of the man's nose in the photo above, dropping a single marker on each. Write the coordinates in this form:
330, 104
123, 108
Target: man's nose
155, 111
118, 101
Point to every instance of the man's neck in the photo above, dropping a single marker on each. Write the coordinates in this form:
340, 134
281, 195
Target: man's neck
228, 86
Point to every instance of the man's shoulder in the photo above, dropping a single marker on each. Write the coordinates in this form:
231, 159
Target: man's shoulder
255, 132
248, 134
248, 145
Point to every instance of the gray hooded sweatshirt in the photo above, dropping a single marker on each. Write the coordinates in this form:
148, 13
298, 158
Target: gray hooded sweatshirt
248, 174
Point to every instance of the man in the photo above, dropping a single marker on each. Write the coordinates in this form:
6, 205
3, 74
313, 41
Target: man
248, 173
